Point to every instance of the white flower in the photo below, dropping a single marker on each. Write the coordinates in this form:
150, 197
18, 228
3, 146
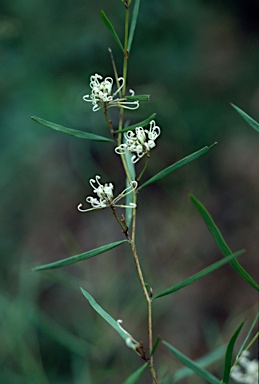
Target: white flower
140, 142
246, 372
102, 93
105, 195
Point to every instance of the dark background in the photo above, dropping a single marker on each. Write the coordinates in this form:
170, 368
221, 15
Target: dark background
193, 57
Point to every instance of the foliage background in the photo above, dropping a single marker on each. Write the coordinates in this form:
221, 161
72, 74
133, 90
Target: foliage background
193, 57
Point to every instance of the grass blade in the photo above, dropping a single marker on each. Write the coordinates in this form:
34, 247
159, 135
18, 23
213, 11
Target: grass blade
135, 375
207, 376
139, 124
165, 172
80, 257
111, 29
199, 275
216, 234
229, 354
247, 118
70, 131
133, 23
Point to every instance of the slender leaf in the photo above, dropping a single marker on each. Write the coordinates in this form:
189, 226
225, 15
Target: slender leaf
155, 345
104, 314
199, 274
229, 354
247, 118
165, 172
111, 29
139, 124
203, 362
207, 376
138, 97
248, 334
80, 257
216, 234
70, 131
133, 23
133, 378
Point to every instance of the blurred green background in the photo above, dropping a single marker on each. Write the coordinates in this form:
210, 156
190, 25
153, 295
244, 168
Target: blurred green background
193, 57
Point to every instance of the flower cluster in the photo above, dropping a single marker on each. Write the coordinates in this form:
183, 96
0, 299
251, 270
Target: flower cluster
102, 94
140, 142
246, 372
105, 195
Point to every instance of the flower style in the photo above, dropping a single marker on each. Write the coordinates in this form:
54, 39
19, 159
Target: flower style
246, 372
105, 195
102, 93
139, 142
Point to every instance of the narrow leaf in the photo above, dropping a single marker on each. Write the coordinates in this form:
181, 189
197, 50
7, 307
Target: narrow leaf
133, 378
155, 345
165, 172
203, 362
247, 118
199, 275
133, 23
207, 376
216, 234
111, 29
138, 97
139, 124
229, 354
104, 314
80, 257
248, 334
70, 131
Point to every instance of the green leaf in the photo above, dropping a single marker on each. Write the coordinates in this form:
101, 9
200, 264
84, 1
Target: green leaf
165, 172
215, 232
199, 275
104, 314
138, 97
70, 131
203, 362
247, 118
254, 323
229, 353
80, 257
139, 124
133, 23
135, 375
208, 377
155, 345
111, 29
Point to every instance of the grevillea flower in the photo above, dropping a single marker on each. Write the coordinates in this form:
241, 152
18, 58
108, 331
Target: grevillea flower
102, 94
139, 142
246, 372
105, 195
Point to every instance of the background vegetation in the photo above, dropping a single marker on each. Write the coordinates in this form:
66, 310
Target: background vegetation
193, 57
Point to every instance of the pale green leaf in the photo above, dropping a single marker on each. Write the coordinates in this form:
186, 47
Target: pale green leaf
207, 376
165, 172
133, 23
139, 124
216, 234
199, 274
70, 131
247, 118
80, 257
133, 378
111, 29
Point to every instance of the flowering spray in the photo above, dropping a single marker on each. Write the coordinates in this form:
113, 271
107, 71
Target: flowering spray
135, 144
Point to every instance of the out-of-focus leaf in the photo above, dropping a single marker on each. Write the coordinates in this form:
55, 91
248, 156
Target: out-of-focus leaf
207, 376
133, 378
139, 124
138, 97
199, 275
248, 334
70, 131
80, 257
165, 172
229, 353
111, 29
203, 362
247, 118
133, 23
155, 345
216, 234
